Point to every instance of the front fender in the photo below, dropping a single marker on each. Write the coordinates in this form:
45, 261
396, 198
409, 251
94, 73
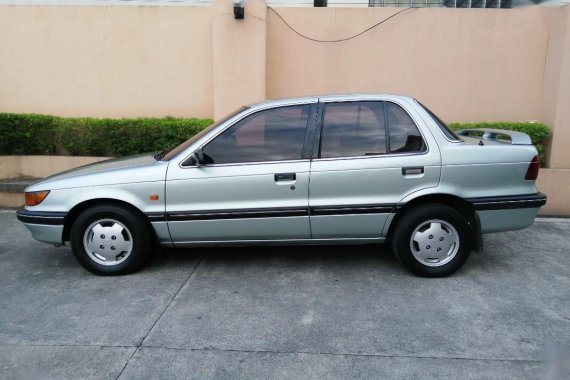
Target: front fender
136, 194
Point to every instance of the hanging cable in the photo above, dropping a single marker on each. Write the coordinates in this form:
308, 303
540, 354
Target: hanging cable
342, 39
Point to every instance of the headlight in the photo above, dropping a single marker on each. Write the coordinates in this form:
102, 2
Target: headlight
34, 198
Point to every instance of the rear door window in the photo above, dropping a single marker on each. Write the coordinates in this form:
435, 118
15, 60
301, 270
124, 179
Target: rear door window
352, 129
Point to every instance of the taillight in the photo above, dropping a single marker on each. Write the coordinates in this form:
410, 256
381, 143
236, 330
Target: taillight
35, 198
532, 171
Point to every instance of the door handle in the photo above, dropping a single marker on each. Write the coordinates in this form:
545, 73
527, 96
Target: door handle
285, 177
410, 170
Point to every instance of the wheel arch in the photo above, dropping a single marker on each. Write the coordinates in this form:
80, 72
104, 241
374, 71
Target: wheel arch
457, 203
82, 206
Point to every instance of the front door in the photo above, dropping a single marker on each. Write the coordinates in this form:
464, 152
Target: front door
253, 183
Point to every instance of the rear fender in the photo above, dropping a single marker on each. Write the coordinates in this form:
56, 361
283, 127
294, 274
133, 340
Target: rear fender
457, 203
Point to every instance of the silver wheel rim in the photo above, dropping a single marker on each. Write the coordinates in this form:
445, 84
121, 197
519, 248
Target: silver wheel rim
108, 242
434, 243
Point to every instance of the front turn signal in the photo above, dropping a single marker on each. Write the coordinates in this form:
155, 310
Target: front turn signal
34, 198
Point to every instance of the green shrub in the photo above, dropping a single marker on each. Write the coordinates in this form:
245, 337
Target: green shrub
27, 134
39, 134
537, 132
44, 134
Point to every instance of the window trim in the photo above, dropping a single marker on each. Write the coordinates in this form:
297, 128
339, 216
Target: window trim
388, 147
320, 122
248, 163
353, 101
437, 121
413, 121
310, 132
205, 132
312, 103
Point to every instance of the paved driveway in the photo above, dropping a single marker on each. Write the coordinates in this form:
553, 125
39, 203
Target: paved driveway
294, 312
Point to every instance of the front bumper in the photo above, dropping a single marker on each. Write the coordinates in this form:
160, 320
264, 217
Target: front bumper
45, 226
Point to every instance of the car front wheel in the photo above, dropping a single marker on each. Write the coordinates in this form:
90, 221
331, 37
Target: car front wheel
432, 240
110, 240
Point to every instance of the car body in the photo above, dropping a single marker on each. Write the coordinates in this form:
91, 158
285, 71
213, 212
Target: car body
314, 170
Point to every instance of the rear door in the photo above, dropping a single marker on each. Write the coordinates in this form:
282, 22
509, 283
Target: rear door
252, 186
368, 156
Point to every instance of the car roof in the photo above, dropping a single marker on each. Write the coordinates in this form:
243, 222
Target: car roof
328, 98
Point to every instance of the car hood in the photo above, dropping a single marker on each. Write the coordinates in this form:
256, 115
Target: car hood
130, 169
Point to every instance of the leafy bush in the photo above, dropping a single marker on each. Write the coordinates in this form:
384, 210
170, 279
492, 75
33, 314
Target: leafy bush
537, 132
40, 134
27, 134
44, 134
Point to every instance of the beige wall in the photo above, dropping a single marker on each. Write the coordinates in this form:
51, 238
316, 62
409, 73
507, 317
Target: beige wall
239, 56
555, 183
556, 86
12, 199
40, 166
109, 61
128, 61
474, 65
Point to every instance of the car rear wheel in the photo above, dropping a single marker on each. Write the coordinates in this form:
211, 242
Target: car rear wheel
432, 240
110, 240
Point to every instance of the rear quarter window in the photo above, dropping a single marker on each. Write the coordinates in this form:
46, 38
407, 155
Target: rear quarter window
405, 136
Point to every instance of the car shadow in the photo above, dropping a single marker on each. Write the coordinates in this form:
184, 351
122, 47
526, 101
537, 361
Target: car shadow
297, 255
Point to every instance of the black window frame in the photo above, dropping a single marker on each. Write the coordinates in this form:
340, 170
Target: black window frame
448, 133
424, 143
316, 151
307, 140
320, 126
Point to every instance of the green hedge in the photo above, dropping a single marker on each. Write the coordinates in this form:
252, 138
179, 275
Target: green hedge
41, 134
538, 132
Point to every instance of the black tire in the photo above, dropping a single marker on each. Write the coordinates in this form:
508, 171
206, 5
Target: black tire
132, 232
455, 246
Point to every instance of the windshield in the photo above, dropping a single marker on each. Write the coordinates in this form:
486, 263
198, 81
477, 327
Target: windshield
448, 132
173, 152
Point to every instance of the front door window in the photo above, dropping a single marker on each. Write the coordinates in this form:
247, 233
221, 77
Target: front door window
266, 136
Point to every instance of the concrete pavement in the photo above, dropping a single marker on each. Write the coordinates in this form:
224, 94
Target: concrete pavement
286, 312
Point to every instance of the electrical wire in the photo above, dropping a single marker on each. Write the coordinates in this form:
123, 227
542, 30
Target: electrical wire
342, 39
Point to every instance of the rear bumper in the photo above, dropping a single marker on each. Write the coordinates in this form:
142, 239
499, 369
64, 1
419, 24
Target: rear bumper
44, 226
508, 202
507, 213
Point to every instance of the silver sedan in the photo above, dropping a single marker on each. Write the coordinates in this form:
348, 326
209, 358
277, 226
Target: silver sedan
317, 170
